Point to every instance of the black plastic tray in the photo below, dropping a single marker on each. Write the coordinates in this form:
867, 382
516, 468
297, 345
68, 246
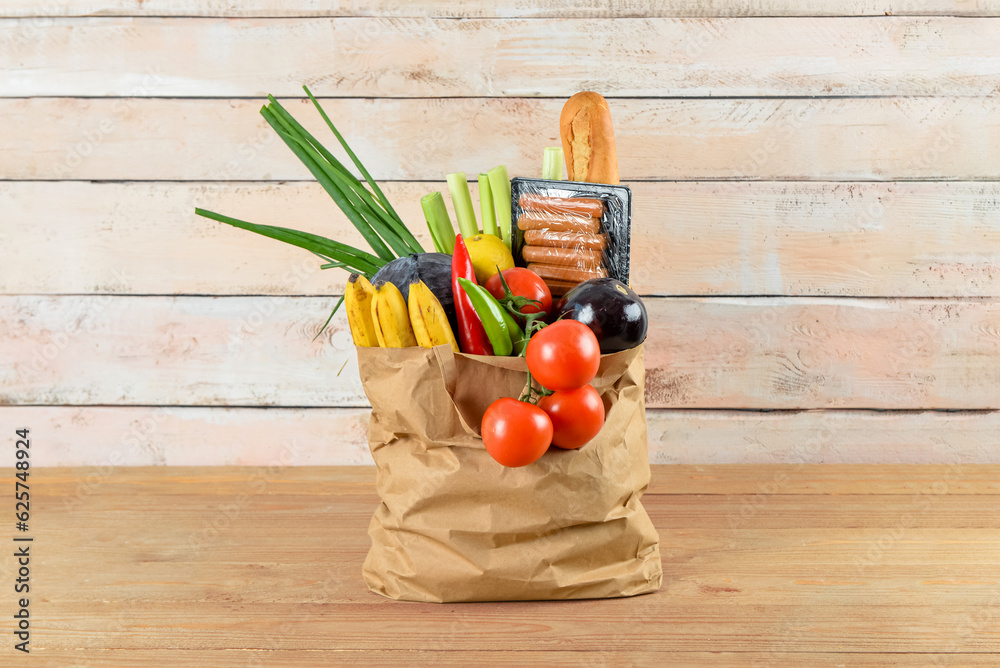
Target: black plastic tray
616, 222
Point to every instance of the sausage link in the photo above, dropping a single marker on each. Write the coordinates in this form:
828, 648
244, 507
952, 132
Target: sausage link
547, 271
559, 288
534, 220
581, 206
566, 239
556, 283
583, 259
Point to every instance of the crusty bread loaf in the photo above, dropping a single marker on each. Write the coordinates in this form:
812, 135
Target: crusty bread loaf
588, 139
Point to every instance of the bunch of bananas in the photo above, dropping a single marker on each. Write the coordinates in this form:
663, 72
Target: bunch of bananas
380, 317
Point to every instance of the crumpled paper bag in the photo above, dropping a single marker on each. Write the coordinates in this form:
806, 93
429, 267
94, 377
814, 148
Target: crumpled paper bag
454, 525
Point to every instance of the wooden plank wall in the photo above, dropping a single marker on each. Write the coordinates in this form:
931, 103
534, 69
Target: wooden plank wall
817, 219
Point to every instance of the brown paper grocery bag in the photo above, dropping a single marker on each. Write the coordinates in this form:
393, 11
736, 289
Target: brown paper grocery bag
454, 525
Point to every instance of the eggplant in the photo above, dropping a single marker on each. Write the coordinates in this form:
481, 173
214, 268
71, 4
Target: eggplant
434, 269
610, 308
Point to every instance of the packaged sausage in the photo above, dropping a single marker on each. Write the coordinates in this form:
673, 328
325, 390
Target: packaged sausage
569, 231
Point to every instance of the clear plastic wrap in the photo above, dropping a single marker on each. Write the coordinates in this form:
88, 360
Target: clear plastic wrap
569, 231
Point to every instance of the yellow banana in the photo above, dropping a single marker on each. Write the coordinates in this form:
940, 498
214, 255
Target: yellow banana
430, 322
358, 302
391, 318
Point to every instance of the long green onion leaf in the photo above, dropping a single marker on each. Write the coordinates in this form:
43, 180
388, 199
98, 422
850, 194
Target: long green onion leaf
329, 186
400, 238
404, 242
354, 158
371, 217
284, 114
399, 229
369, 211
330, 317
354, 259
322, 257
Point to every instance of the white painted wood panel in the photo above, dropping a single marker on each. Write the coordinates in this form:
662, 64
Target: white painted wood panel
499, 8
111, 437
424, 139
184, 57
922, 239
847, 222
759, 353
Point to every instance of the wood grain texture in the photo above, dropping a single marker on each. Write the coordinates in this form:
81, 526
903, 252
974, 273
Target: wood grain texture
392, 57
423, 139
781, 353
909, 480
671, 512
707, 238
200, 436
753, 583
501, 8
817, 437
658, 625
380, 658
210, 561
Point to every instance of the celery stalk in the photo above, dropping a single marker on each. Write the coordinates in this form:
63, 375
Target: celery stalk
486, 206
438, 222
462, 202
500, 184
552, 163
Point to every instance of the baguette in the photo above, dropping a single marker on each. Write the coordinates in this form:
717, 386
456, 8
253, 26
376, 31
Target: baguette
588, 139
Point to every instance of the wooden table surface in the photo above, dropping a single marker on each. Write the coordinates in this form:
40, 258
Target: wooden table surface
793, 565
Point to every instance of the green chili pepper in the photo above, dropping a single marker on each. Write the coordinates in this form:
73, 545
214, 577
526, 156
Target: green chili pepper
517, 337
491, 313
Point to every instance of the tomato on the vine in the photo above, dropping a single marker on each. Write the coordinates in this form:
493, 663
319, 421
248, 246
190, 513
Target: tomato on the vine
564, 356
522, 283
577, 416
516, 433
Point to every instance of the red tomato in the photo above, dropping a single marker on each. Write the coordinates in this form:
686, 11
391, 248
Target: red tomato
516, 433
524, 283
577, 416
564, 356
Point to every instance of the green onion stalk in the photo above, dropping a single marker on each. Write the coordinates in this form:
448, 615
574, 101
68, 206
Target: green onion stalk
366, 206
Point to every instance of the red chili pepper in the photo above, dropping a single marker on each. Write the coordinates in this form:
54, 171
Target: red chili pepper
471, 335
